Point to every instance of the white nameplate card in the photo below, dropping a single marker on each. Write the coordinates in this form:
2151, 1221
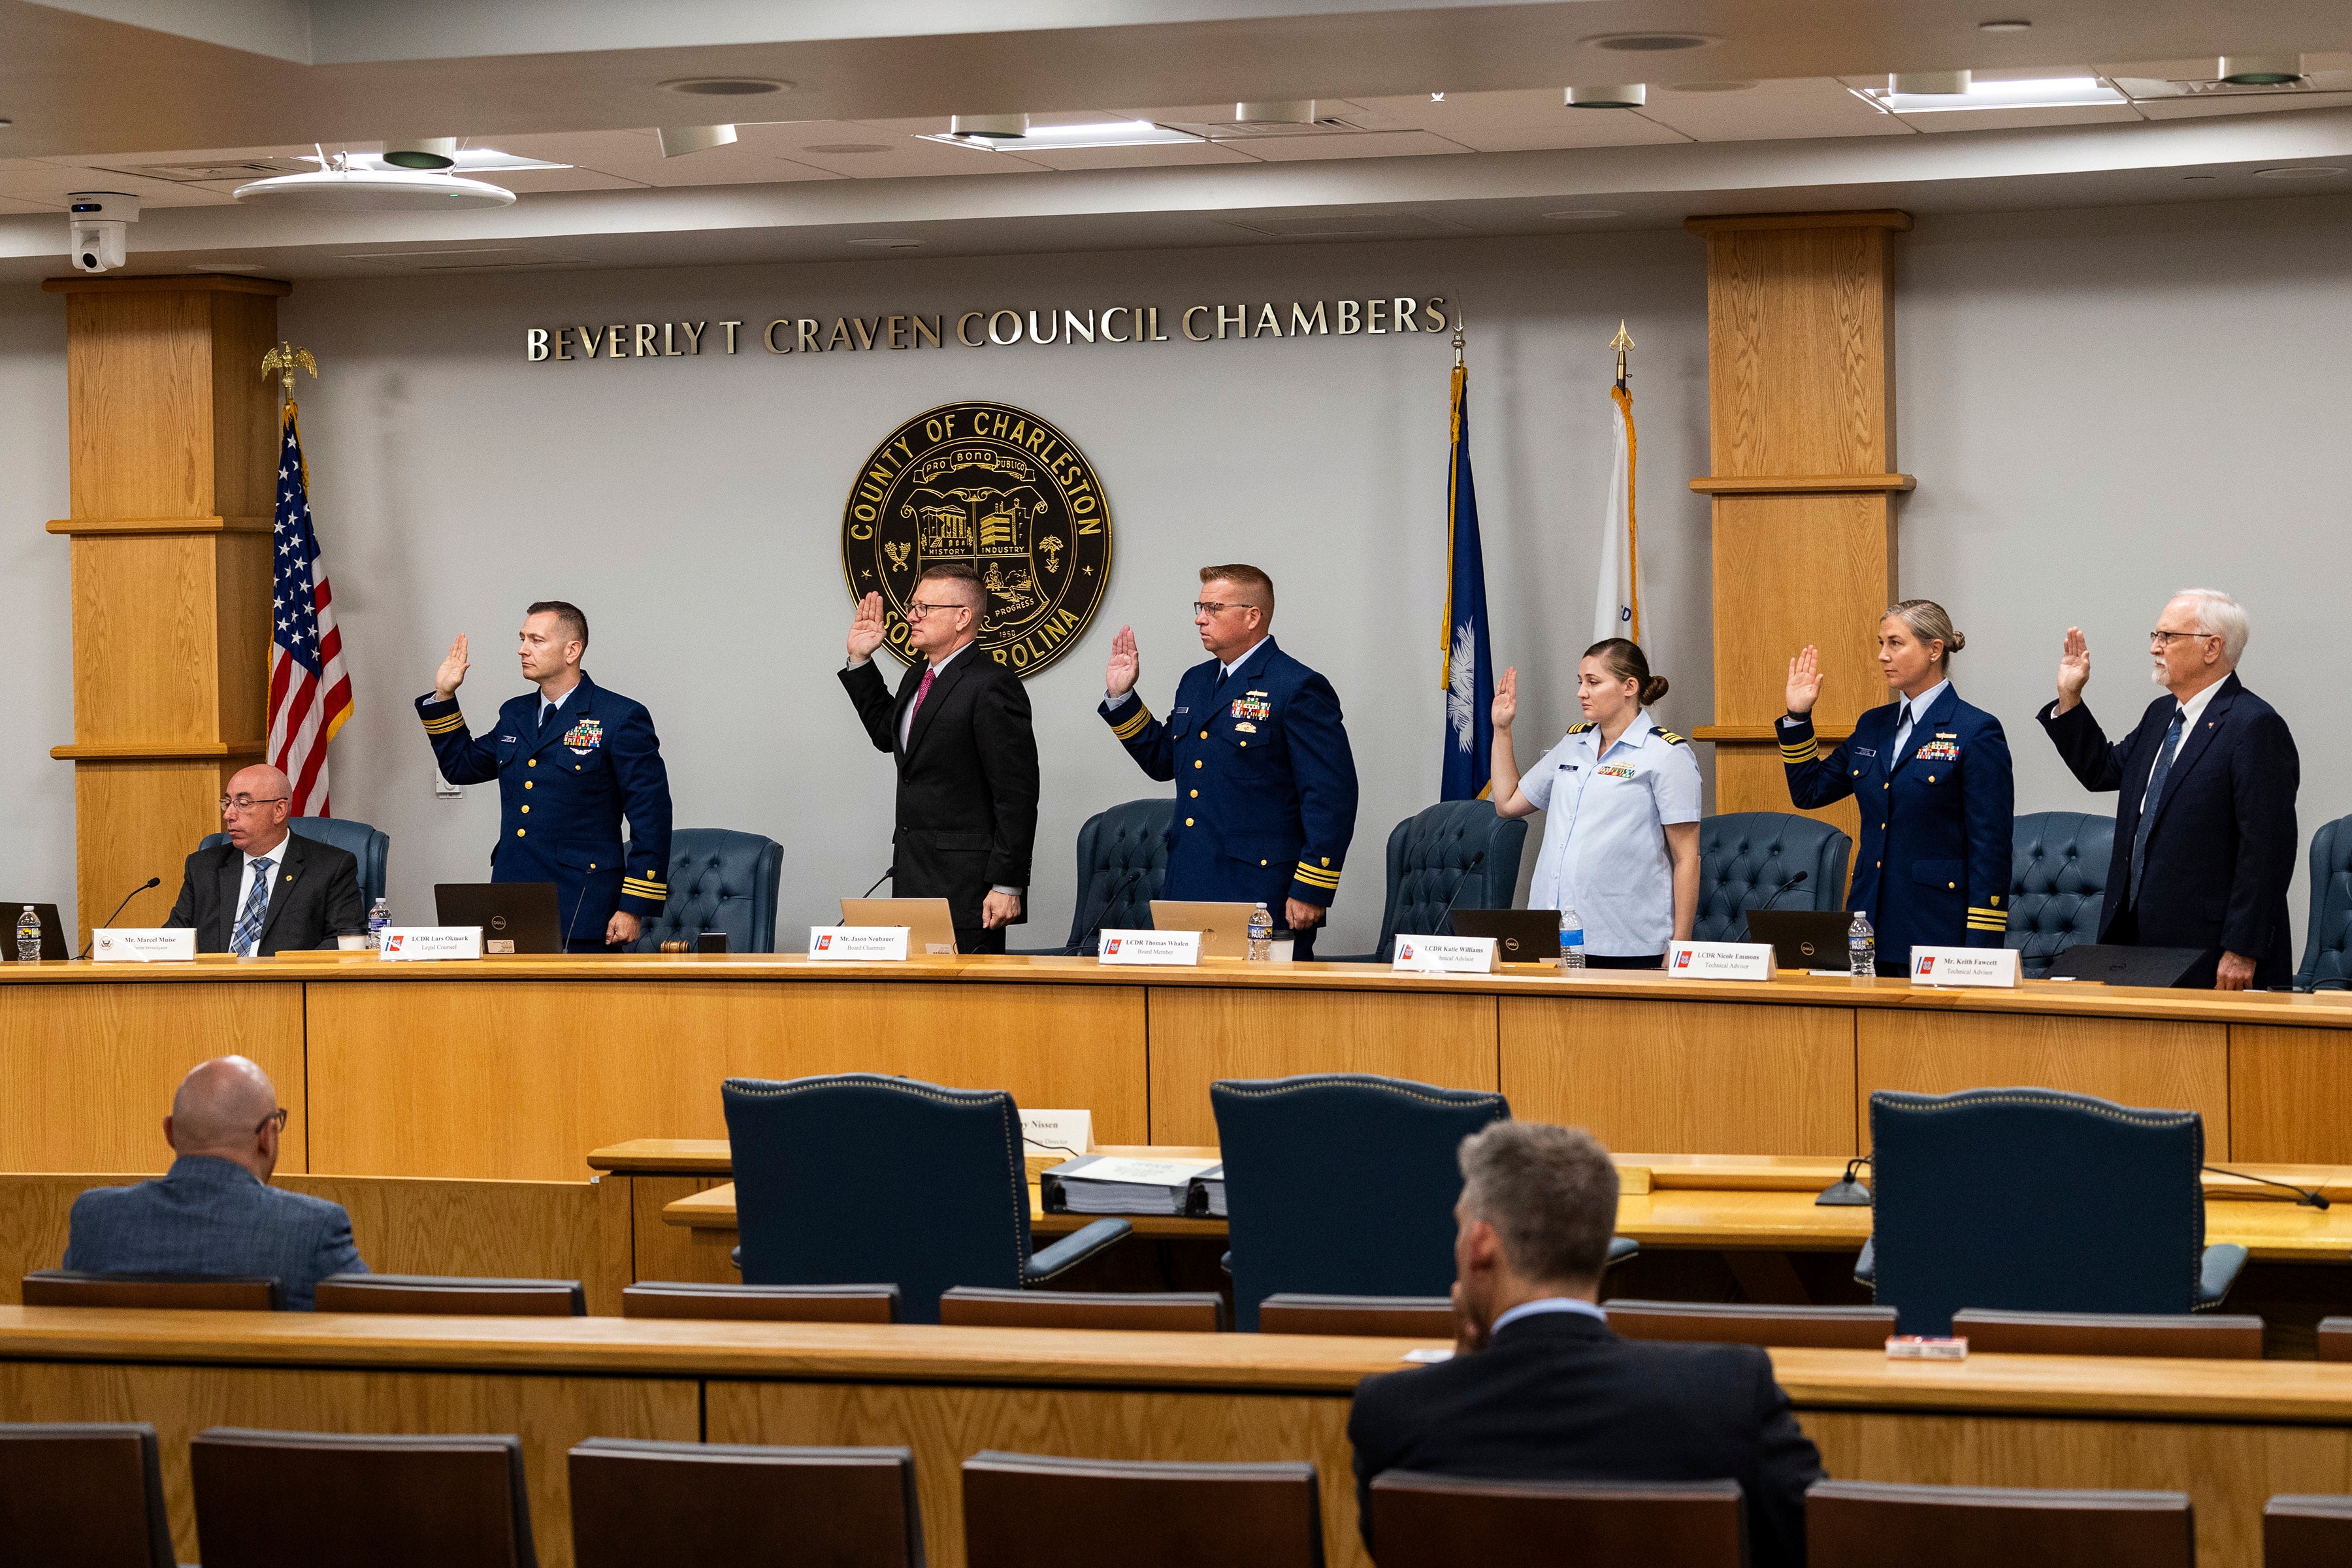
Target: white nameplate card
857, 945
1994, 966
1445, 955
137, 944
1066, 1134
424, 944
1721, 961
1174, 948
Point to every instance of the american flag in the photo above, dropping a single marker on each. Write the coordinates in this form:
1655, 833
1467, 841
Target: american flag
309, 694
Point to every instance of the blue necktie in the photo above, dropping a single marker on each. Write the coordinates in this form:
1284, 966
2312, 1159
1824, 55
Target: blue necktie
2155, 793
1902, 734
248, 921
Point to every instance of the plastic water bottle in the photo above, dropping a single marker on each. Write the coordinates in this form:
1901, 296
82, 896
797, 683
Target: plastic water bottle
379, 917
28, 936
1862, 948
1261, 935
1571, 939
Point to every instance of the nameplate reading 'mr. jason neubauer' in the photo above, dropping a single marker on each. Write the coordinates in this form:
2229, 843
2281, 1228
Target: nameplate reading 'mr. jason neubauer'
1095, 324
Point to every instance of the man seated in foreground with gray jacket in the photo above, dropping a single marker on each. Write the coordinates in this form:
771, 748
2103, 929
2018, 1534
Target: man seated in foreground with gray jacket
216, 1212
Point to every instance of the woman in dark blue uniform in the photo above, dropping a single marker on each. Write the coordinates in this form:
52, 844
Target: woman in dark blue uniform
1932, 777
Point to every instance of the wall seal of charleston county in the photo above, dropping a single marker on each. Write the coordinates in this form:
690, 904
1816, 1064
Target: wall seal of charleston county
1002, 490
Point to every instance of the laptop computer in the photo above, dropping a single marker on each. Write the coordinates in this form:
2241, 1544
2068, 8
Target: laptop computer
1803, 939
2158, 966
515, 917
1522, 936
53, 931
930, 928
1224, 928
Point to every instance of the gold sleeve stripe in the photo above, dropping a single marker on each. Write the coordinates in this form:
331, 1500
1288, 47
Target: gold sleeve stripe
443, 726
1805, 753
1129, 728
1316, 878
1987, 925
1989, 914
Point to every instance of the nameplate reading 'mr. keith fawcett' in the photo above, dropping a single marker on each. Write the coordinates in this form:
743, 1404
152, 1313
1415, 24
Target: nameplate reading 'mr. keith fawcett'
995, 489
1993, 966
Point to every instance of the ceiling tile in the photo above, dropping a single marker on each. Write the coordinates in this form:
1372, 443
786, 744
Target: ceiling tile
47, 183
1368, 145
1772, 110
1519, 121
908, 154
635, 157
2211, 107
1157, 155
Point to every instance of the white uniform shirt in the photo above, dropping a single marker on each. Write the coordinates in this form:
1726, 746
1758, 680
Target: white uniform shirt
1604, 847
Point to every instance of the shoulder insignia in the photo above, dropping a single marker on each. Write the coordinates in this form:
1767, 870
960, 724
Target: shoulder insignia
1580, 727
1671, 739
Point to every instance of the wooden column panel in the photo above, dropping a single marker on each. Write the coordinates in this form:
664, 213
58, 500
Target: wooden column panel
1800, 395
173, 430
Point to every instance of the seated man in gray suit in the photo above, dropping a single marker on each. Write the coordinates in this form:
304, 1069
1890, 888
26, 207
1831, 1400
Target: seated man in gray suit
266, 888
216, 1212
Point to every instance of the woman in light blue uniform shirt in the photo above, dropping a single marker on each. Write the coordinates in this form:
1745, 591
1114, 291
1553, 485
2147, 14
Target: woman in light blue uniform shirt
1621, 834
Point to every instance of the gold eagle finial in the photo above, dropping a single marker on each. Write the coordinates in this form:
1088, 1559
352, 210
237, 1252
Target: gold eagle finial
285, 360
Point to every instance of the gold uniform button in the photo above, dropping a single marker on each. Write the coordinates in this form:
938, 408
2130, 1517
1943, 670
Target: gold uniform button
1245, 745
534, 762
1204, 734
526, 811
1196, 795
592, 864
1261, 862
526, 784
1951, 884
518, 833
1188, 822
1931, 778
1196, 761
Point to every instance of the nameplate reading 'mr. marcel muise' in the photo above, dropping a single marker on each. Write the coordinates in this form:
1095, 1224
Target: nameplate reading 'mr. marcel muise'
1006, 493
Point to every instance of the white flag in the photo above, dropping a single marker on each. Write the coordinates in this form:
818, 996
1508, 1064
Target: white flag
1617, 606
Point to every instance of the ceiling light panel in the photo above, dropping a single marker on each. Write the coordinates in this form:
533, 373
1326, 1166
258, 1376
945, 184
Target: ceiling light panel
1522, 121
1093, 133
2038, 92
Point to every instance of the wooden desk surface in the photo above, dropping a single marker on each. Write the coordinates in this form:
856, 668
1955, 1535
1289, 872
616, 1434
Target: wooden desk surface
1792, 988
2267, 1390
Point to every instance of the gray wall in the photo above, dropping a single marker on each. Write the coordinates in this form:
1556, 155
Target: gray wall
2100, 408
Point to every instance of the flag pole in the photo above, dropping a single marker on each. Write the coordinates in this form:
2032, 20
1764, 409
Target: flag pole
1623, 392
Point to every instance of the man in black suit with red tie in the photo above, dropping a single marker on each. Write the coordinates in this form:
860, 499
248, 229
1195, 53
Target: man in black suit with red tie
1539, 1388
2205, 835
959, 726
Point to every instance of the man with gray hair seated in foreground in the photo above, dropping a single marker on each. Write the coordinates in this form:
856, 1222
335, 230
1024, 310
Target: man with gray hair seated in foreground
216, 1212
1539, 1389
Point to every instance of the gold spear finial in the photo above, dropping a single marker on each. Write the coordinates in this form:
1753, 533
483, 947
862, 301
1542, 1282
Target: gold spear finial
1619, 344
1457, 337
285, 360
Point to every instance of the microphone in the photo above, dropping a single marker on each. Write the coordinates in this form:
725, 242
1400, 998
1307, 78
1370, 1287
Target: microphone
884, 876
1446, 915
1078, 949
2304, 1197
1791, 883
1845, 1192
149, 882
575, 915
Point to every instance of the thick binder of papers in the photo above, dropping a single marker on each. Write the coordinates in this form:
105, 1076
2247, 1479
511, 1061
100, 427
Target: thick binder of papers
1103, 1184
1206, 1198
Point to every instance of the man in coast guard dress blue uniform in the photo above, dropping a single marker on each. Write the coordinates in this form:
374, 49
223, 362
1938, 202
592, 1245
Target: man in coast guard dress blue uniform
1932, 776
1265, 786
571, 759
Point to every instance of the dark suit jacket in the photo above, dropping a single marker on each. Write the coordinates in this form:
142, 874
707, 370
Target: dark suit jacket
967, 779
314, 896
213, 1217
1559, 1397
2221, 849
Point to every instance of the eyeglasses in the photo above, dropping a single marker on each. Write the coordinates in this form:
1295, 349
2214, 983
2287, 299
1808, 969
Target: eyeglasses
230, 803
917, 609
1203, 608
277, 1119
2164, 639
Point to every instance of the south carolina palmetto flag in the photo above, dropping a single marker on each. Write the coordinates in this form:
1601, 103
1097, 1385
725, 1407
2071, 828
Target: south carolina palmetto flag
309, 694
1467, 670
1617, 608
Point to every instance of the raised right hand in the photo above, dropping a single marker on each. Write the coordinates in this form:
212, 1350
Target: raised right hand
1118, 679
452, 673
867, 628
1506, 697
2074, 669
1805, 680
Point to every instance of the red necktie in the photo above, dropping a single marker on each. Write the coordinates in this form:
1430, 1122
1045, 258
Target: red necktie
930, 673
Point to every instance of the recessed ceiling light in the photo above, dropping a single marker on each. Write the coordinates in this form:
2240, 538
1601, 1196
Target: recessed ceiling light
2052, 92
1649, 43
843, 149
2260, 70
468, 161
1710, 86
1049, 138
2296, 172
2012, 24
1622, 95
724, 85
1587, 213
890, 244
